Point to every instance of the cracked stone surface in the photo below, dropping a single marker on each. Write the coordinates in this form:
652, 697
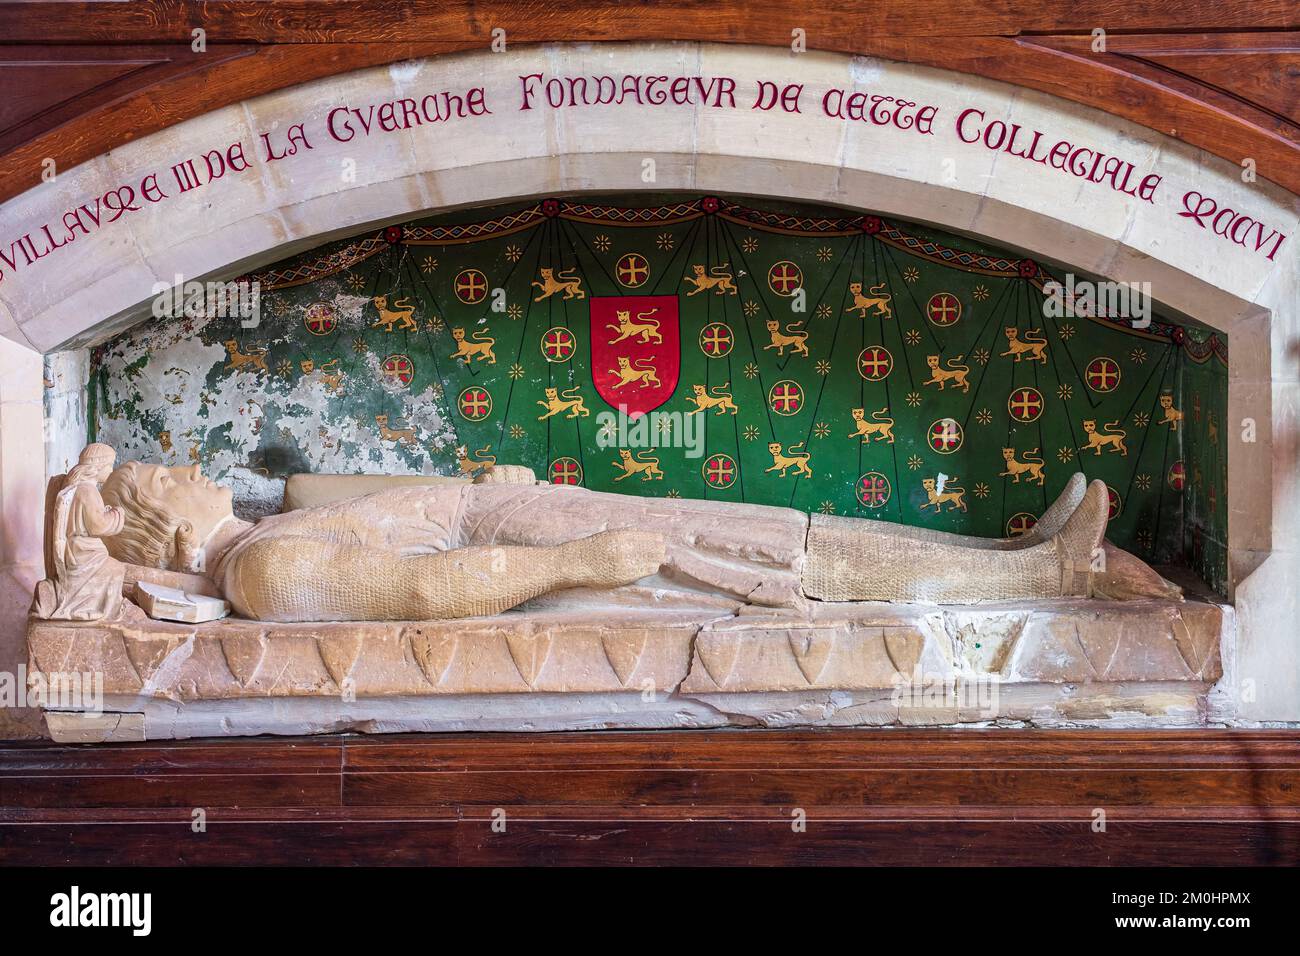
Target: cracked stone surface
559, 665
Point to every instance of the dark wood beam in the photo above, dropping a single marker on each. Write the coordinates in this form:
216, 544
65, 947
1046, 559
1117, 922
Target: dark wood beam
896, 797
258, 47
533, 21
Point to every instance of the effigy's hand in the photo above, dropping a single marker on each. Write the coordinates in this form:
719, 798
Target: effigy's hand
613, 558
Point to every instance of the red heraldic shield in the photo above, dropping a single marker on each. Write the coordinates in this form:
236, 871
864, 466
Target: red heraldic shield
636, 350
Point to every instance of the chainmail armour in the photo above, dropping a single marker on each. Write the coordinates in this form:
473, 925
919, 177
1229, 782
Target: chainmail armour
450, 551
849, 563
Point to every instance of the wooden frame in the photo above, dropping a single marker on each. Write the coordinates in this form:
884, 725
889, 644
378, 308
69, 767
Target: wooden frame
1220, 75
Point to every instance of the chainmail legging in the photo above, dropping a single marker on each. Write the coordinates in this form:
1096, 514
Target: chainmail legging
292, 578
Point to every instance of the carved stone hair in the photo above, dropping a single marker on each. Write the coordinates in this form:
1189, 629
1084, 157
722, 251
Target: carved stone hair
148, 535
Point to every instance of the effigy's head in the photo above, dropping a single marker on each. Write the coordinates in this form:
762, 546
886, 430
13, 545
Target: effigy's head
167, 511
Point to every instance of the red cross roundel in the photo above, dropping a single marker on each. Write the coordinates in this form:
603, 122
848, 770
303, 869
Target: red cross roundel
632, 270
1020, 523
558, 344
716, 339
398, 369
875, 363
475, 403
471, 286
1114, 503
320, 319
944, 308
945, 436
1025, 404
1102, 375
872, 490
1177, 476
565, 471
784, 278
786, 397
720, 471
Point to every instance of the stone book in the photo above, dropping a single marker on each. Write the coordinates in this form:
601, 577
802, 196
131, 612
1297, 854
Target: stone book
173, 604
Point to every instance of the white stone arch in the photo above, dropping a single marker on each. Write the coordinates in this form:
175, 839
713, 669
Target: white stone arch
99, 283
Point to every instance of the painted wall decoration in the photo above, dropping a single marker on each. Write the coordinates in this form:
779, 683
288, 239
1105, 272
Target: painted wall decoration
767, 353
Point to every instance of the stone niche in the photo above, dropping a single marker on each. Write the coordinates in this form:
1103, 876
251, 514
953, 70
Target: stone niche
754, 307
887, 352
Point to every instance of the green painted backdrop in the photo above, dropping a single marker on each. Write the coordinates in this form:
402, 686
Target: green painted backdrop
302, 391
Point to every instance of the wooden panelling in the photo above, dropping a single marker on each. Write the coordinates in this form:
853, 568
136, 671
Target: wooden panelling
46, 86
886, 798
